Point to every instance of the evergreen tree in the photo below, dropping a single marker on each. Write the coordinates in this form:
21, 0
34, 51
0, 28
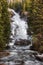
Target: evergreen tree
4, 24
36, 16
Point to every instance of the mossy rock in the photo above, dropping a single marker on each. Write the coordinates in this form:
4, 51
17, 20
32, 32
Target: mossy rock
34, 39
36, 46
41, 42
36, 43
40, 49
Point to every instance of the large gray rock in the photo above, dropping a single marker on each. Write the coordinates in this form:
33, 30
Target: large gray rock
22, 42
39, 57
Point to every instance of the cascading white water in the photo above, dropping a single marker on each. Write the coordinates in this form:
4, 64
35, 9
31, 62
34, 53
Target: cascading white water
18, 28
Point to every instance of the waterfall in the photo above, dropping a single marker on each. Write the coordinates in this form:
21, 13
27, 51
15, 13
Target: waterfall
18, 28
21, 55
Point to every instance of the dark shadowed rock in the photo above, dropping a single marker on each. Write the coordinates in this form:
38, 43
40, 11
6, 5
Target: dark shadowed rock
39, 57
7, 47
29, 32
19, 62
22, 42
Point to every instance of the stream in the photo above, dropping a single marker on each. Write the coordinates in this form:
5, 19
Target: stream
19, 54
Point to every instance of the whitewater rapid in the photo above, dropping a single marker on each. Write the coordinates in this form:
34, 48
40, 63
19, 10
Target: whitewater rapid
18, 27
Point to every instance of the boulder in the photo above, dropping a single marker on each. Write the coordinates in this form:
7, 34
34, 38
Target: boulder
22, 42
10, 12
4, 54
39, 57
40, 50
7, 47
2, 64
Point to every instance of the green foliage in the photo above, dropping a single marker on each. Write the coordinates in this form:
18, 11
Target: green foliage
36, 20
16, 6
36, 23
4, 24
24, 6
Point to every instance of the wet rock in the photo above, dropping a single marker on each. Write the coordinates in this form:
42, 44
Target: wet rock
21, 62
24, 13
39, 57
4, 53
29, 32
11, 13
35, 53
2, 64
7, 47
31, 48
22, 42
